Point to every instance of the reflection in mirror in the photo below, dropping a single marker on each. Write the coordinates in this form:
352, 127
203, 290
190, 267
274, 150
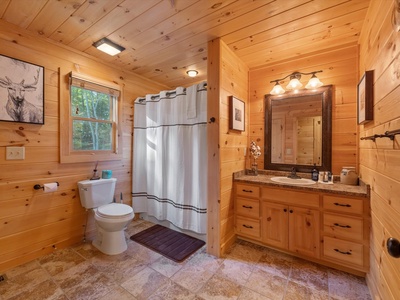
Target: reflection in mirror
298, 130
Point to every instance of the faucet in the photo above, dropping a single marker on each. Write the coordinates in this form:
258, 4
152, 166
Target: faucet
293, 174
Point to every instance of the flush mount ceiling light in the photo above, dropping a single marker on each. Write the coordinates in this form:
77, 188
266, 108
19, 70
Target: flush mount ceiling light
192, 73
295, 84
108, 46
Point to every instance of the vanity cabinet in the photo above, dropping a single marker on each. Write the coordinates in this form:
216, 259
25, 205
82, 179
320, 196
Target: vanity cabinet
345, 230
290, 220
324, 227
247, 211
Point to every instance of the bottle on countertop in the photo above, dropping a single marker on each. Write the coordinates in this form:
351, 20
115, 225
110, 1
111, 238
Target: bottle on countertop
314, 173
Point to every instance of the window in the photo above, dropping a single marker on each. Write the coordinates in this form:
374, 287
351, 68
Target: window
93, 110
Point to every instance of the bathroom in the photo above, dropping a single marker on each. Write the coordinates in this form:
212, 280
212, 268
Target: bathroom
34, 223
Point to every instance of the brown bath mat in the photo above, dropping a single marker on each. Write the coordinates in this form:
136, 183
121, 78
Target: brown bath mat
170, 243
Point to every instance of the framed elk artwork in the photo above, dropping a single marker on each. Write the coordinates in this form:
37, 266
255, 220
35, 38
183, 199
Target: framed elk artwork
21, 91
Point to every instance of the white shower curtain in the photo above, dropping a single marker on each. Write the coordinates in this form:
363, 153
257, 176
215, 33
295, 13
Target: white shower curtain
170, 157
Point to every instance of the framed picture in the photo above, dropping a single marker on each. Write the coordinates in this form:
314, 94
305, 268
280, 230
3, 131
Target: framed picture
21, 91
236, 114
365, 99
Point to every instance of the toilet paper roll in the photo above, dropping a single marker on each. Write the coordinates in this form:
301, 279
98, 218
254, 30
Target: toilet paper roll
50, 187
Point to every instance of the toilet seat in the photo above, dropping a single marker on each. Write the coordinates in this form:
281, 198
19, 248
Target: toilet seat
114, 211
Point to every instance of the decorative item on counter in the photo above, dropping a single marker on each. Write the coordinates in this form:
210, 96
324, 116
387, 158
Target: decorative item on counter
314, 173
255, 152
321, 176
325, 177
348, 176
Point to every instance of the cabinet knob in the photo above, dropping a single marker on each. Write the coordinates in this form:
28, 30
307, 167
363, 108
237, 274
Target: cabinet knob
291, 211
393, 247
247, 191
247, 206
285, 210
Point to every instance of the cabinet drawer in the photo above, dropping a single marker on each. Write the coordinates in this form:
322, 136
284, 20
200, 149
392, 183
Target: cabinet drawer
248, 227
344, 251
250, 191
248, 207
291, 197
341, 204
342, 226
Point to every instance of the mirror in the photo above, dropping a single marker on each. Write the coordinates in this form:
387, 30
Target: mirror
298, 130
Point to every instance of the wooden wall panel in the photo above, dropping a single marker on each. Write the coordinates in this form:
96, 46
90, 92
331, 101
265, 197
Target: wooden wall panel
34, 223
380, 160
339, 69
227, 76
234, 74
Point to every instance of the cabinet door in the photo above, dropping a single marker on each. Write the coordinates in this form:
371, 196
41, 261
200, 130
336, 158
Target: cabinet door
304, 231
275, 224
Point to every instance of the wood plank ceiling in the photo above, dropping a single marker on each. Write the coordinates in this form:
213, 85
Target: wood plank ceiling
165, 38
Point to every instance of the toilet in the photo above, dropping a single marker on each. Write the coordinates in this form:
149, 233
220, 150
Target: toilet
111, 218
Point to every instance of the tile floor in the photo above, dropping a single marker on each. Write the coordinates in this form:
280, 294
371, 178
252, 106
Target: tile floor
248, 272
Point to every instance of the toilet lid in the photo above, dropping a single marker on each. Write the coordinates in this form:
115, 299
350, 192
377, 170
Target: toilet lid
114, 210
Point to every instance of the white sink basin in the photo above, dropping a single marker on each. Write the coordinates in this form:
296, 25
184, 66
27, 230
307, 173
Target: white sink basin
286, 180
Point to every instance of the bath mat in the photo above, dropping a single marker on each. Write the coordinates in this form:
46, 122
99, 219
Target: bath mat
170, 243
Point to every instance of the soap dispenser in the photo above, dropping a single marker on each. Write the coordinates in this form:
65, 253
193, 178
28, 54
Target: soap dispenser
314, 173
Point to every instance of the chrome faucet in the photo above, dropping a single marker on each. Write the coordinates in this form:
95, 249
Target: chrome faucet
293, 174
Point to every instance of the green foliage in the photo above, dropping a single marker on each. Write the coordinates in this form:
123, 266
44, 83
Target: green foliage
92, 123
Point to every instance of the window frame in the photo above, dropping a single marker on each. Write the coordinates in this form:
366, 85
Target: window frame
67, 154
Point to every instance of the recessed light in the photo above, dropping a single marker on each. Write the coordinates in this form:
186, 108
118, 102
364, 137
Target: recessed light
192, 73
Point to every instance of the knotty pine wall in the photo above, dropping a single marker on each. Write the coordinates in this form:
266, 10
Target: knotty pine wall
380, 160
339, 68
227, 76
33, 223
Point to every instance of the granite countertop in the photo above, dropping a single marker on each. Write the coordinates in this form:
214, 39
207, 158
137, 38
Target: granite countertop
264, 178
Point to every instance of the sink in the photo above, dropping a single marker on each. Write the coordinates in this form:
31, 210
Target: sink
286, 180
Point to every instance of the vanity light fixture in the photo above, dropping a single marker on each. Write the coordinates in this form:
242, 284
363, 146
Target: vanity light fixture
295, 84
108, 46
192, 73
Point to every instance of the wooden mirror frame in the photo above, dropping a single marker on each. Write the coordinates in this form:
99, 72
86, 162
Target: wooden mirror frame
326, 98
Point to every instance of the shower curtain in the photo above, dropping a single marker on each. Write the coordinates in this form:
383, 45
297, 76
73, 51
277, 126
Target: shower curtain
170, 157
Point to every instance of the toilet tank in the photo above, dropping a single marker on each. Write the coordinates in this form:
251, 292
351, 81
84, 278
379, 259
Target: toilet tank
95, 193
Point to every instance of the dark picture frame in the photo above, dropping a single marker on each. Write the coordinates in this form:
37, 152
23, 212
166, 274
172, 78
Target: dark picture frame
21, 91
365, 98
236, 114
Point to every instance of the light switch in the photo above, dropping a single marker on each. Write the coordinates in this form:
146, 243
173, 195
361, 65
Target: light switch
15, 153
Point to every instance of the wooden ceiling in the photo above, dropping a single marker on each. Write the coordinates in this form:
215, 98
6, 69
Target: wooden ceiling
164, 38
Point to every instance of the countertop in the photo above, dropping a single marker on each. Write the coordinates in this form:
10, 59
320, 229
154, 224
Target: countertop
264, 178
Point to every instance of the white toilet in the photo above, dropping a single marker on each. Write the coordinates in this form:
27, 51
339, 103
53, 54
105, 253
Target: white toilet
111, 218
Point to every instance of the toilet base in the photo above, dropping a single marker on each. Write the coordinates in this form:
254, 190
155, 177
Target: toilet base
110, 243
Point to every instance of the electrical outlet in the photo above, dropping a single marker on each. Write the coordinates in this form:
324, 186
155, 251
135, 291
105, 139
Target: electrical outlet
15, 153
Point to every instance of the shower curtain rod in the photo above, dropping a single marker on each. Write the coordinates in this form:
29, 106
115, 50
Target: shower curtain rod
167, 94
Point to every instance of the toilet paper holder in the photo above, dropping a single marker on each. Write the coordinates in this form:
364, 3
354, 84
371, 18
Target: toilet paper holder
38, 186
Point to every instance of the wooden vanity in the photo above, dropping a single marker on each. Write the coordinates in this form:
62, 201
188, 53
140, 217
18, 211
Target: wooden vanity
327, 224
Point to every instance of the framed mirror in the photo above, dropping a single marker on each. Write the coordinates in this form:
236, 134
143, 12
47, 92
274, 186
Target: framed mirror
298, 130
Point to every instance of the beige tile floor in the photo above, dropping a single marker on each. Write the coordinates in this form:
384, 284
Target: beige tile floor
248, 272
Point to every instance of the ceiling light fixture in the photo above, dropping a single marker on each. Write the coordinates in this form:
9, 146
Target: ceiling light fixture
295, 84
108, 46
192, 73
